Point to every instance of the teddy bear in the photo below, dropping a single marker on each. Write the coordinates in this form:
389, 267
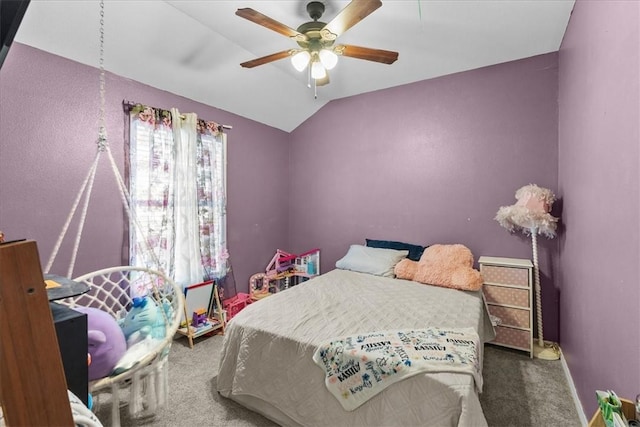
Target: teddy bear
449, 266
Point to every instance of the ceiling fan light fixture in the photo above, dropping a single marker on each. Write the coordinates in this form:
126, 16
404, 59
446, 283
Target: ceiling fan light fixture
318, 71
300, 60
317, 53
328, 58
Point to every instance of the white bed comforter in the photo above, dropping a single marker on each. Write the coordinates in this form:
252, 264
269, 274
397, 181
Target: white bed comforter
267, 353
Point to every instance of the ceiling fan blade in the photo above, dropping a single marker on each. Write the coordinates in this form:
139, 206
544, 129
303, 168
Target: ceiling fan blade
266, 59
260, 19
376, 55
353, 13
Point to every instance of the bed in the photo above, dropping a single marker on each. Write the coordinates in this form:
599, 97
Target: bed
267, 365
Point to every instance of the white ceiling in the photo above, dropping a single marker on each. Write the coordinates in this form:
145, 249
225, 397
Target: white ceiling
194, 48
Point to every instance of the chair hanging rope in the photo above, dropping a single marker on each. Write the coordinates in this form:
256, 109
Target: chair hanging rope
87, 186
113, 290
88, 181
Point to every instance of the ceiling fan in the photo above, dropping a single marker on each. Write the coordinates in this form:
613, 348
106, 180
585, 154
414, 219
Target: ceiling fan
316, 39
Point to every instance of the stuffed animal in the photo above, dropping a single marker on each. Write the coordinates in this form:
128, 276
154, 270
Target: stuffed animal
145, 319
134, 354
449, 266
106, 342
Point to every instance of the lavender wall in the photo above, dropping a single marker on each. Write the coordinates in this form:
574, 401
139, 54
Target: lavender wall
48, 128
599, 110
430, 162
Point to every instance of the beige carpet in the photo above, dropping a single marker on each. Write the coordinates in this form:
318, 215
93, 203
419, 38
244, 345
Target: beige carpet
518, 391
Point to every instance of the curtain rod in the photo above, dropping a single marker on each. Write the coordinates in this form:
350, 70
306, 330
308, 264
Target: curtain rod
131, 104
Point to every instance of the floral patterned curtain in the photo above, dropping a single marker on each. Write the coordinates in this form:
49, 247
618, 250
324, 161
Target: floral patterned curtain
154, 183
212, 198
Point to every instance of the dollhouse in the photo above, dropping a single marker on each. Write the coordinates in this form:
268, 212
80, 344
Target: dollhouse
284, 271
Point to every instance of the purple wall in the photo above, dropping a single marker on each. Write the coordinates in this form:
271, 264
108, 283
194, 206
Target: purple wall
430, 162
599, 103
48, 128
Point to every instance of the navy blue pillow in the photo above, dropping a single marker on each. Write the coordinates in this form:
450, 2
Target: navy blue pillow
415, 251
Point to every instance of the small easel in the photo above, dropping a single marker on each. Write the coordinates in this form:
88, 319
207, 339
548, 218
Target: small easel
215, 323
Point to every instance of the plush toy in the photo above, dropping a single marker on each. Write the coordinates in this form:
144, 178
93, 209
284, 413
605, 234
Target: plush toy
106, 342
134, 354
449, 266
145, 319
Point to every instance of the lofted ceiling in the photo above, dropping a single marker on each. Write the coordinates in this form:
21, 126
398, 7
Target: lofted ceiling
194, 48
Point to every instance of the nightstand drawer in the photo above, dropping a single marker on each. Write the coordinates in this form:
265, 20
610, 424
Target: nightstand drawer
509, 296
511, 337
505, 275
511, 316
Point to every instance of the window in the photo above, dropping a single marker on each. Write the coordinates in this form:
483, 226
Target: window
177, 183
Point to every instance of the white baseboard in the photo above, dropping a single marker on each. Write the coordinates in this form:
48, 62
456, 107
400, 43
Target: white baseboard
574, 392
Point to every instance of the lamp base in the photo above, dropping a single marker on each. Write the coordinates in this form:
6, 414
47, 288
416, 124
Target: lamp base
550, 351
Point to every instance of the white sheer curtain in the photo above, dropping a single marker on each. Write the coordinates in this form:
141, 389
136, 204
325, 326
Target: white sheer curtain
177, 180
188, 266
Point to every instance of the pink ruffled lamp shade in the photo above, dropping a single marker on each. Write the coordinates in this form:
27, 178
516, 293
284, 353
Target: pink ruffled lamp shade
530, 212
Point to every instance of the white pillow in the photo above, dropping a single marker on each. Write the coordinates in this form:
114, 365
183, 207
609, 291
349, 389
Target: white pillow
377, 261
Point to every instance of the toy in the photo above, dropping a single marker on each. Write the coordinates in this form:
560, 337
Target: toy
282, 267
106, 342
234, 304
281, 261
308, 262
134, 354
145, 319
199, 317
449, 266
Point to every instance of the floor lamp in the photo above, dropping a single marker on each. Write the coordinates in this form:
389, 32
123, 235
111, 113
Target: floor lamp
531, 216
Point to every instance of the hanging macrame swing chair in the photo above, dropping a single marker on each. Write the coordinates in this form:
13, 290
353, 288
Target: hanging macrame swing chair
112, 290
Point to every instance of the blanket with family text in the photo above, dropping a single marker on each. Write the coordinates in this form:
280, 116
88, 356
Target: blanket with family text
360, 366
